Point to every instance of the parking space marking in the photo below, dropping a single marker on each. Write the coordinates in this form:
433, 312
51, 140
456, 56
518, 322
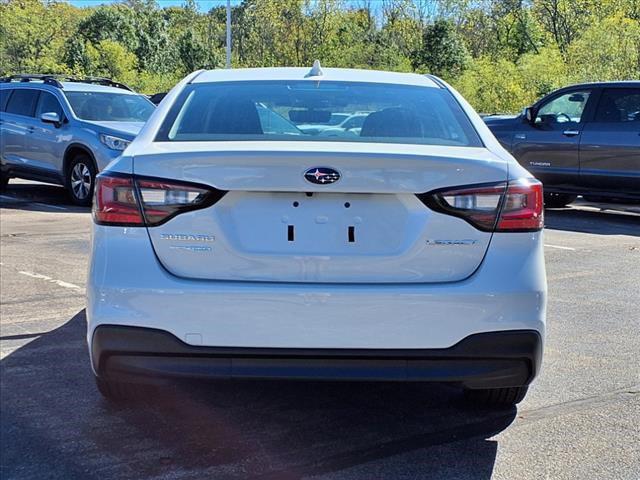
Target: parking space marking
26, 201
60, 283
50, 206
559, 247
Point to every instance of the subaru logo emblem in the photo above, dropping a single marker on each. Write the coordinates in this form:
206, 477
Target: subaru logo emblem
322, 175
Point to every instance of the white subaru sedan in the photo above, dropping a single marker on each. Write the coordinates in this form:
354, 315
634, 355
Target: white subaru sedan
229, 243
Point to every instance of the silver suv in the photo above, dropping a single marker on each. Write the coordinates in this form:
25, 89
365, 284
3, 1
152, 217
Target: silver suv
64, 130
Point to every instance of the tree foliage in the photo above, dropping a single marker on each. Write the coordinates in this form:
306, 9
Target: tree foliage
443, 51
501, 54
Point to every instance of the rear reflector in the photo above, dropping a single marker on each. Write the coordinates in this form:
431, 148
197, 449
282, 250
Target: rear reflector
516, 206
125, 200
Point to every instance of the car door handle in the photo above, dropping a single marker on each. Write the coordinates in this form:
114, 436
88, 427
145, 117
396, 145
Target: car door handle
571, 133
31, 129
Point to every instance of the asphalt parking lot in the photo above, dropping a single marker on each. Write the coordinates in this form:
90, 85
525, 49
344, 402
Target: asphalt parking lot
581, 419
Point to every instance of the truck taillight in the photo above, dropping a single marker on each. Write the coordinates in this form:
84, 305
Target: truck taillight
126, 200
515, 206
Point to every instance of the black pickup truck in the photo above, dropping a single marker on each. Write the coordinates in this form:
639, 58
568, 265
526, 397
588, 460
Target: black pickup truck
579, 140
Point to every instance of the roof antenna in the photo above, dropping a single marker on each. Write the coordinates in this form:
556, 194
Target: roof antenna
316, 70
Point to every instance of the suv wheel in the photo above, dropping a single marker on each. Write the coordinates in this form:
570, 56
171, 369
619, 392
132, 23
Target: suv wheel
497, 397
558, 200
81, 176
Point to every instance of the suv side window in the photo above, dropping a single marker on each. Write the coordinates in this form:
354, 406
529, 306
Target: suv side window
23, 102
4, 97
48, 103
563, 111
618, 105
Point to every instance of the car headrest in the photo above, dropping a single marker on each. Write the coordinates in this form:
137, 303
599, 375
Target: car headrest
608, 110
392, 122
234, 116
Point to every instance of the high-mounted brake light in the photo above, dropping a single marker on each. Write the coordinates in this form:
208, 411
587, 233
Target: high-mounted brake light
138, 201
516, 206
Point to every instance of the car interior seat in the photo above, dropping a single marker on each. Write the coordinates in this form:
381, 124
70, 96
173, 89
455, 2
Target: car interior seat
235, 116
608, 111
392, 122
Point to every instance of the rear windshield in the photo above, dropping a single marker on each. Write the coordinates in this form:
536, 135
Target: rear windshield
110, 107
317, 111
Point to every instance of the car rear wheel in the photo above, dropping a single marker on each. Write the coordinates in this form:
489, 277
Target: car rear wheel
81, 176
558, 200
497, 397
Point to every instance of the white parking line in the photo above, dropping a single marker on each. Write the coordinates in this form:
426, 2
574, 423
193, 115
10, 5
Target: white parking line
40, 204
559, 247
60, 283
50, 206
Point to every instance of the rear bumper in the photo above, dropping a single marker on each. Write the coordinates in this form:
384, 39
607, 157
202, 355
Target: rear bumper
485, 360
128, 287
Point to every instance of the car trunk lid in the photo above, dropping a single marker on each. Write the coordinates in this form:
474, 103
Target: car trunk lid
274, 225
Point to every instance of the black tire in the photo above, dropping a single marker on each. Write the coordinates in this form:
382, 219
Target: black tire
497, 397
119, 392
80, 179
4, 180
558, 200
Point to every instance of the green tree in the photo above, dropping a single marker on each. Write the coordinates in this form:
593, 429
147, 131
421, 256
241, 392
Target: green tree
155, 50
544, 71
32, 35
443, 51
111, 59
609, 50
194, 54
77, 57
494, 86
111, 22
501, 53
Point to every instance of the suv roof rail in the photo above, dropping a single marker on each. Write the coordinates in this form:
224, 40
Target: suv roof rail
55, 80
103, 81
48, 79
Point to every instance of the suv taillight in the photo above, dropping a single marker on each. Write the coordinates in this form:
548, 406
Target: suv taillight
516, 206
126, 200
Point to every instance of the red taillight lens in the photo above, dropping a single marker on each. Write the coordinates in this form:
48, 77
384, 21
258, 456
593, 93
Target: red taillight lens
115, 202
128, 201
516, 206
522, 209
